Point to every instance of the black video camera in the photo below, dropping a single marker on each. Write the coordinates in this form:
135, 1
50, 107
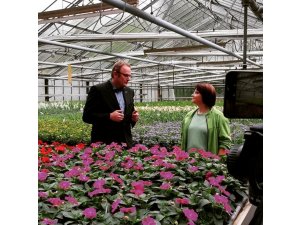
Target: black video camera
243, 98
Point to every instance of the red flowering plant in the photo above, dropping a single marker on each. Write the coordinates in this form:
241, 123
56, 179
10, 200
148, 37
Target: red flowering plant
108, 184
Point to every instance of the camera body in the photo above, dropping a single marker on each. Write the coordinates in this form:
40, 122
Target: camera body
243, 98
245, 162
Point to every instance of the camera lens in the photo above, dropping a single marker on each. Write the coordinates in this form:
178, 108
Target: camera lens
234, 165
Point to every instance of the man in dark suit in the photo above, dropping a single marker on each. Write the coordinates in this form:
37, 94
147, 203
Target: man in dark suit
110, 108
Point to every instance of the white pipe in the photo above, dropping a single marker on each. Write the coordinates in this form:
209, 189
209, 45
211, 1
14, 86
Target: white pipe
215, 77
95, 59
255, 33
199, 53
256, 9
178, 77
137, 12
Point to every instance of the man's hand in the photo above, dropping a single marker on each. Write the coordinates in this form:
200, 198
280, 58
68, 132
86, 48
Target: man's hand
135, 116
116, 116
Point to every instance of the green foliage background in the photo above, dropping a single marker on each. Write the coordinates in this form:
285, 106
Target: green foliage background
62, 122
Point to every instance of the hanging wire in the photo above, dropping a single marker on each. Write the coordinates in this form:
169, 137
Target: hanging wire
101, 71
118, 21
158, 75
205, 9
158, 85
235, 45
173, 77
151, 9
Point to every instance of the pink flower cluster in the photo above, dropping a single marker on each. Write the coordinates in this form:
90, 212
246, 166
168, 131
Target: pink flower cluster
65, 185
167, 175
223, 201
115, 205
128, 210
138, 187
205, 154
165, 186
106, 160
42, 176
148, 221
90, 213
71, 200
191, 215
55, 201
179, 154
48, 221
79, 172
193, 169
182, 201
160, 162
128, 163
116, 178
215, 181
137, 148
99, 189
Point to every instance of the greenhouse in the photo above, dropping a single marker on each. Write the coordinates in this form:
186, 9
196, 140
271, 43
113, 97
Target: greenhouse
115, 140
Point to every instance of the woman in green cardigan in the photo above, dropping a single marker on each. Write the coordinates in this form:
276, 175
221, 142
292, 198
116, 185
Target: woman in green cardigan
205, 127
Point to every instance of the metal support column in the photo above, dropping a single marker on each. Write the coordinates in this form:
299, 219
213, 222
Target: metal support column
47, 90
87, 89
141, 92
158, 87
245, 5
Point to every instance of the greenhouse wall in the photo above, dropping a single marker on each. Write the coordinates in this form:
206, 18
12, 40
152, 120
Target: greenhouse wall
61, 90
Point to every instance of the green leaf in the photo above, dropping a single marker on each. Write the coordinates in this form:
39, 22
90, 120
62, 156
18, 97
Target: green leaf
105, 205
118, 215
155, 201
194, 184
218, 221
76, 213
86, 186
180, 178
172, 213
142, 212
83, 199
158, 196
69, 222
159, 217
204, 202
68, 214
181, 172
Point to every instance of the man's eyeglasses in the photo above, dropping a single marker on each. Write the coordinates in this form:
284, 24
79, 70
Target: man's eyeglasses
125, 75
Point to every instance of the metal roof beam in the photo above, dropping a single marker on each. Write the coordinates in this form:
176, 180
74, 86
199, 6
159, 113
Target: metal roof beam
199, 53
83, 61
121, 5
112, 54
232, 34
79, 10
81, 16
194, 81
169, 78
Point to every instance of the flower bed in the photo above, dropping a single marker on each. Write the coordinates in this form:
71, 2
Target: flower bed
105, 184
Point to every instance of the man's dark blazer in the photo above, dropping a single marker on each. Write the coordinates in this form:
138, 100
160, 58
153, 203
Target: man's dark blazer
101, 101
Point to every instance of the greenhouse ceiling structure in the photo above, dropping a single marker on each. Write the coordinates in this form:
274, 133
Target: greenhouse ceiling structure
167, 42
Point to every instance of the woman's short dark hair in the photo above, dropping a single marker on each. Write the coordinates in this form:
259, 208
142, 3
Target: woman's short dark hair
208, 93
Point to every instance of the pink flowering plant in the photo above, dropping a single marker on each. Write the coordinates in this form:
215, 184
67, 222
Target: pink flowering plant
108, 184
